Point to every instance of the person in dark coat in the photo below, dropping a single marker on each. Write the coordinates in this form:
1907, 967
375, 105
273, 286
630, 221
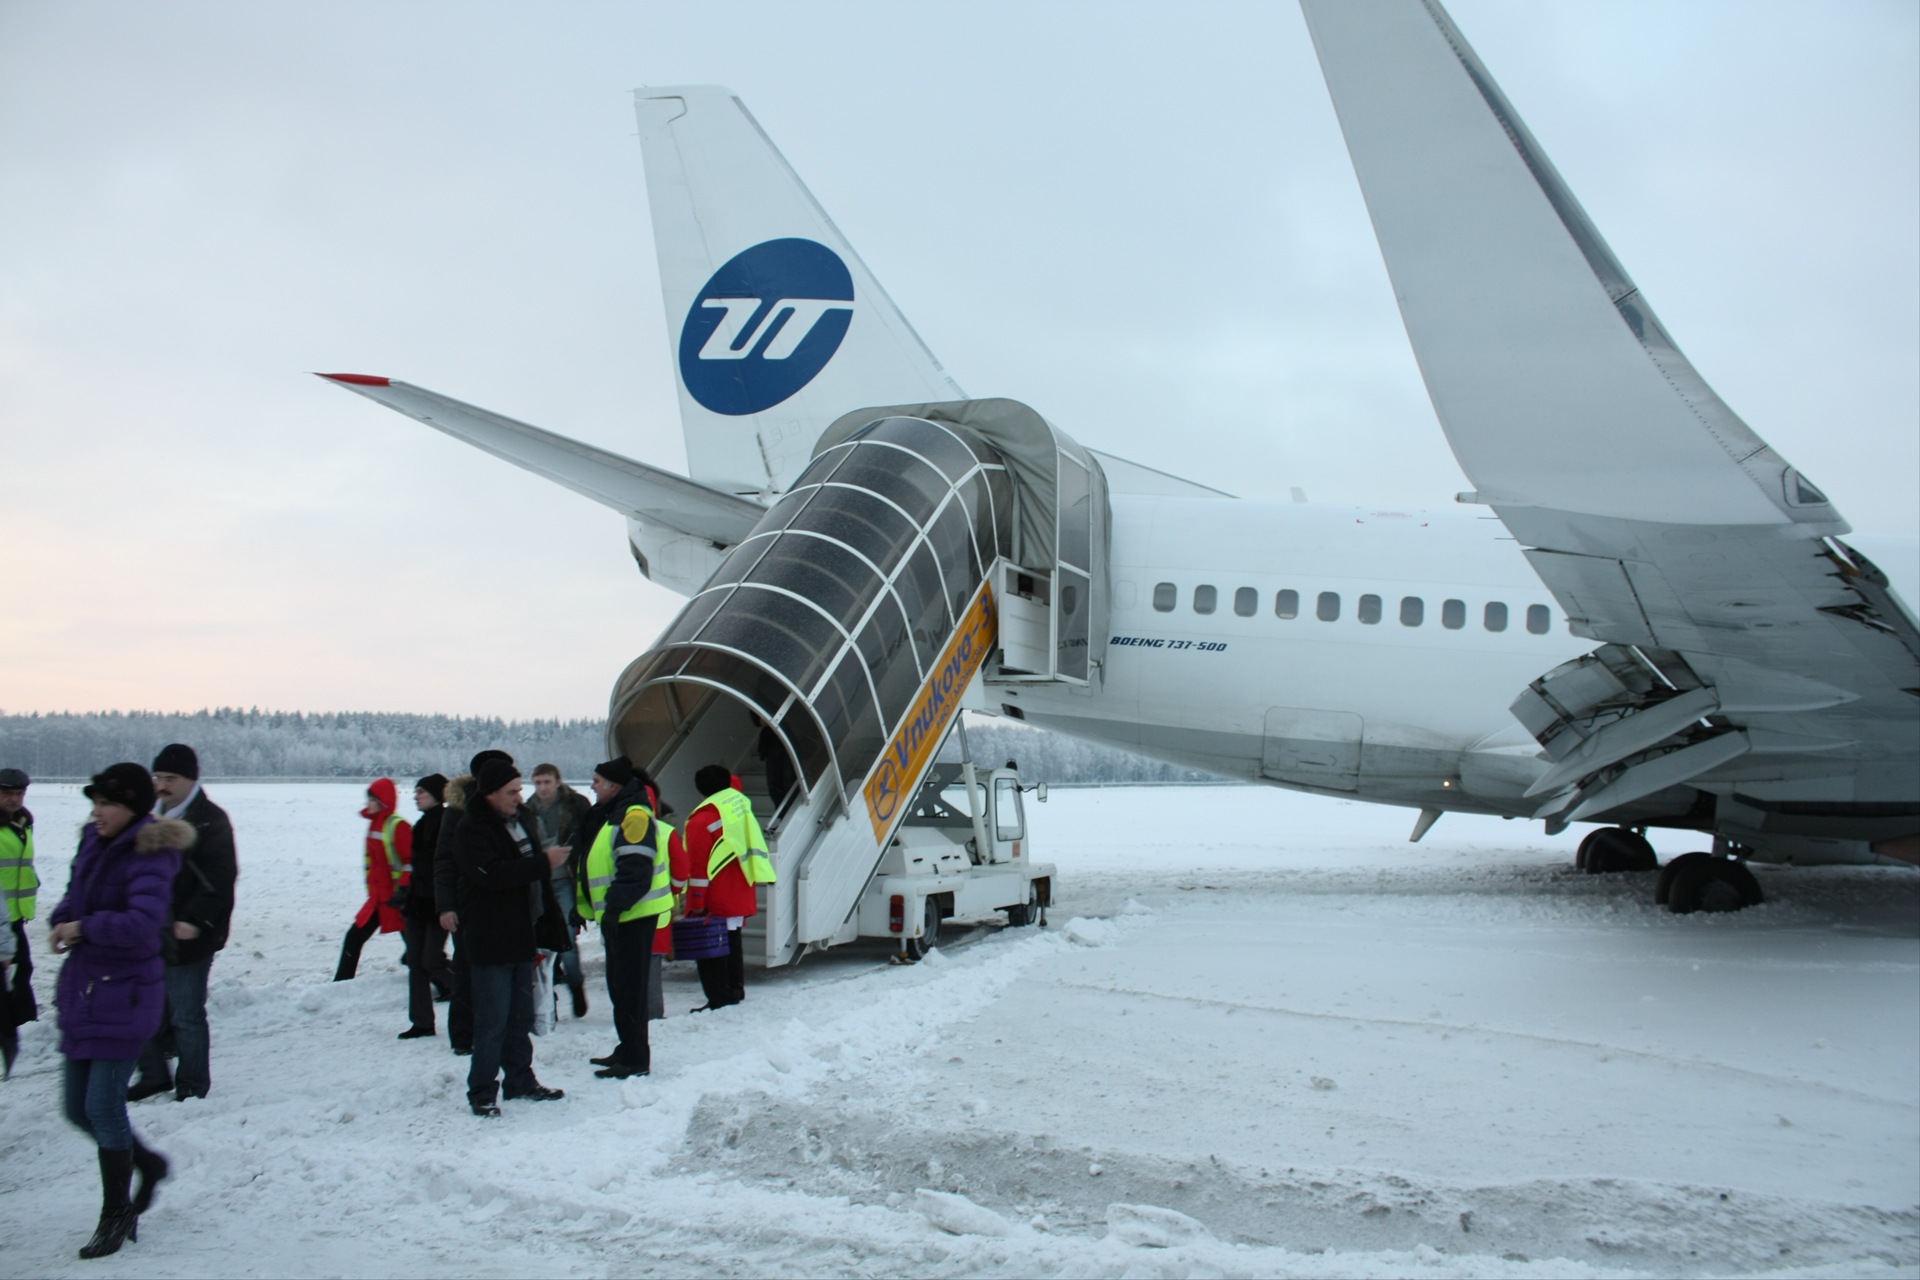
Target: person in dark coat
446, 901
18, 886
507, 910
112, 988
427, 969
202, 914
560, 808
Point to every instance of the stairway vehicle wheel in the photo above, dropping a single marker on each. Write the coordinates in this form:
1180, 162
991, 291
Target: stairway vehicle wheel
929, 931
1028, 912
1615, 849
1706, 882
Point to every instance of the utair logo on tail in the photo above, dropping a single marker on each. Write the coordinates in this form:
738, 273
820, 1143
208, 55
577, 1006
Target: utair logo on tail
765, 325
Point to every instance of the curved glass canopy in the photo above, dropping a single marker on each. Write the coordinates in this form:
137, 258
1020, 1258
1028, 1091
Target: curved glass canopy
824, 622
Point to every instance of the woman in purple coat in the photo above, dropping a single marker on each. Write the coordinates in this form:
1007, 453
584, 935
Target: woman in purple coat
112, 988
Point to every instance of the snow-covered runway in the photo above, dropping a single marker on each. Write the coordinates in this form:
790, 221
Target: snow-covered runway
1313, 1049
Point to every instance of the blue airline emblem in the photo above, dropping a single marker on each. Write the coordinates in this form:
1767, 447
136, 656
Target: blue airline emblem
765, 325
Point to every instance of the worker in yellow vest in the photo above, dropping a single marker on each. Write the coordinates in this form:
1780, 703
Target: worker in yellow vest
18, 885
728, 856
628, 888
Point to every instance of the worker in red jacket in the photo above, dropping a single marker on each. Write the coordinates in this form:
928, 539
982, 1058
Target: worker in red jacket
389, 865
727, 853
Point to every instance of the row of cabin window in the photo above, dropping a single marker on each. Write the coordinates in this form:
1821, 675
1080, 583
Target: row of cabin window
1413, 609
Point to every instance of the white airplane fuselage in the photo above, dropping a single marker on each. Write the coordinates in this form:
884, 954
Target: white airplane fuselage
1384, 680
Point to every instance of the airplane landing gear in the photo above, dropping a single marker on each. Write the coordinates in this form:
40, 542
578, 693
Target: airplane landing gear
1614, 849
1706, 882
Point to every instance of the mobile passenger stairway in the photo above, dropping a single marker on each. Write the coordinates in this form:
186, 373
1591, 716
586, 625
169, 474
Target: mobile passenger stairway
924, 550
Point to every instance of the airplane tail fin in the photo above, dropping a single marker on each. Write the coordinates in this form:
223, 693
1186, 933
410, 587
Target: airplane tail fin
777, 327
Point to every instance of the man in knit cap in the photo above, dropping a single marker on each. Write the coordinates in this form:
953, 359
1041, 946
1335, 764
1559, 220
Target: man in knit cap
507, 912
202, 910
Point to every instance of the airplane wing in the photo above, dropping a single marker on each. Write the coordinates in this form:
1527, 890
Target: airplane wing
1749, 653
632, 488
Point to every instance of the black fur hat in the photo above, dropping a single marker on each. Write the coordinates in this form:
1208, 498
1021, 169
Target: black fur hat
124, 784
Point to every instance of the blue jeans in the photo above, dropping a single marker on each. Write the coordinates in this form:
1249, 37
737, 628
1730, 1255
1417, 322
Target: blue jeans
183, 1033
96, 1100
502, 1031
187, 1008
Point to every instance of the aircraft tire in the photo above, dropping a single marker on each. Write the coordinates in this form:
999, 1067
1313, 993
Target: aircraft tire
1615, 849
1704, 882
1663, 891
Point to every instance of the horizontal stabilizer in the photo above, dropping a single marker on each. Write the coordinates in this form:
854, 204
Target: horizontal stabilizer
632, 488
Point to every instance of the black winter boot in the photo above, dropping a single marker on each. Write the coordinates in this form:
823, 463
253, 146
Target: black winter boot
152, 1167
118, 1221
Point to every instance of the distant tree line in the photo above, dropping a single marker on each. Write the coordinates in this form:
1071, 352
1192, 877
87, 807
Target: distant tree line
250, 743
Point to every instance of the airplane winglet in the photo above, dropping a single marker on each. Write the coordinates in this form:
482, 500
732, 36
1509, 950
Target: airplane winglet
357, 379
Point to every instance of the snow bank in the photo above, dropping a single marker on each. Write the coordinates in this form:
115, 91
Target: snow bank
1533, 1073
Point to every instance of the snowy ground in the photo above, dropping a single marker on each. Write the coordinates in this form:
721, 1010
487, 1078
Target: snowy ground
1303, 1047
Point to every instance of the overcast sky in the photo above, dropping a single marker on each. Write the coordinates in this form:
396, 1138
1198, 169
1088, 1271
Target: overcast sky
1137, 218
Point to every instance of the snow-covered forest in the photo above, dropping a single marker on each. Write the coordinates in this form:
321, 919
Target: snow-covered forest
250, 743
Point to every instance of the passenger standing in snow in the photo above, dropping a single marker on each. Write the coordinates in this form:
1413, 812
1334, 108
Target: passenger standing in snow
427, 968
389, 852
728, 853
507, 911
628, 888
560, 809
202, 911
112, 988
446, 898
19, 884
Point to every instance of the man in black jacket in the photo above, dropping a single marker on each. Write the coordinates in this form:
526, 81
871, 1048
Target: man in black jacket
202, 910
446, 901
427, 968
507, 910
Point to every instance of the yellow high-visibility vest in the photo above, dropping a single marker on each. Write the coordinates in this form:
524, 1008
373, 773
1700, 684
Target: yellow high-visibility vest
18, 881
639, 834
740, 838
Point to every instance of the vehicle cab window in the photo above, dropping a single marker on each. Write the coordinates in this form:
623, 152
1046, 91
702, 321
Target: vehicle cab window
1009, 822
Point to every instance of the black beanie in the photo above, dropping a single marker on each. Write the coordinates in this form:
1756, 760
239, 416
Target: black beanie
491, 753
617, 771
435, 785
177, 758
123, 784
492, 775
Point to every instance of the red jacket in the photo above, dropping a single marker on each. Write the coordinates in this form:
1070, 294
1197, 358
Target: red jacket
729, 894
381, 802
